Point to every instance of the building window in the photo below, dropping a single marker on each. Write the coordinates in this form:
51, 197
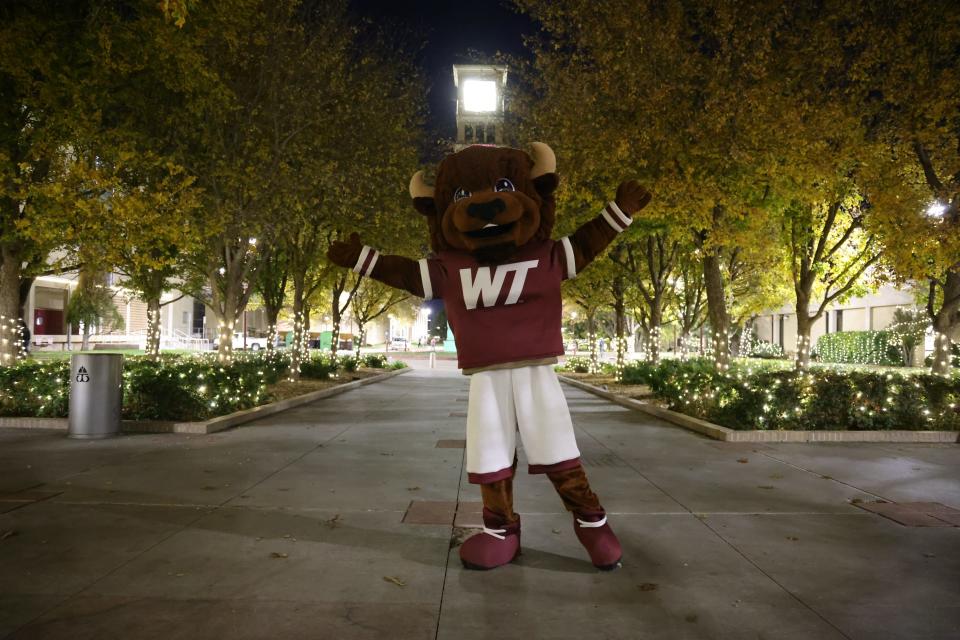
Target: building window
468, 133
186, 319
480, 134
780, 337
839, 320
491, 134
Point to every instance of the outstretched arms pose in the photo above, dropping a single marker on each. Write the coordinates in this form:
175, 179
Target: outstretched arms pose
580, 248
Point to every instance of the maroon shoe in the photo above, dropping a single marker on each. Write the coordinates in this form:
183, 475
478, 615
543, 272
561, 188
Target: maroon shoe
497, 545
598, 539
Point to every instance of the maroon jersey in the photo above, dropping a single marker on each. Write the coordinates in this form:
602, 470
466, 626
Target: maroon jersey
502, 313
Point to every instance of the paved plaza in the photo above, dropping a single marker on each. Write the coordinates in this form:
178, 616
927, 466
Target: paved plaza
293, 527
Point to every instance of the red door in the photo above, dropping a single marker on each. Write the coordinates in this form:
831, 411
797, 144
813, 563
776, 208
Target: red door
47, 322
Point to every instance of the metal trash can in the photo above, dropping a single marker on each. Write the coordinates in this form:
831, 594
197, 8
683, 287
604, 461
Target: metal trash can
96, 394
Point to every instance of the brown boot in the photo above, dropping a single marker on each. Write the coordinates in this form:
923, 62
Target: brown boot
589, 517
499, 543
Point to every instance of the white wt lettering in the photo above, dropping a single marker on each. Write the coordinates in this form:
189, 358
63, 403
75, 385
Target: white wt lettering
488, 286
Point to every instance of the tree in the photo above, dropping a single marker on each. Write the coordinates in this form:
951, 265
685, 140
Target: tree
651, 262
829, 254
689, 299
905, 77
372, 300
671, 93
591, 291
91, 306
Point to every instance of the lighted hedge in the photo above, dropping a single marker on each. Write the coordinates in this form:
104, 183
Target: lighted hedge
860, 347
175, 388
819, 399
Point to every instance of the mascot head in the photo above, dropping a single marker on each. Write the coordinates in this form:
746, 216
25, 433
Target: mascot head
489, 201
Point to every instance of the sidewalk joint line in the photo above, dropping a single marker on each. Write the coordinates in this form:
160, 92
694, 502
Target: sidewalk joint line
446, 565
820, 475
774, 580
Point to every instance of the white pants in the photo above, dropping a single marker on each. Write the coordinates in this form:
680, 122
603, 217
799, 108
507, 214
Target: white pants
529, 399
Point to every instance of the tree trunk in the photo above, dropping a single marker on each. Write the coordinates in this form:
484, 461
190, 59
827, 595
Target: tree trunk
361, 335
653, 338
335, 316
945, 321
804, 323
226, 319
717, 309
620, 326
592, 339
272, 314
153, 328
297, 351
9, 307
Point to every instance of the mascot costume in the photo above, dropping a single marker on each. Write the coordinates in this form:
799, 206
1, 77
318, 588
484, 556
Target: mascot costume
498, 272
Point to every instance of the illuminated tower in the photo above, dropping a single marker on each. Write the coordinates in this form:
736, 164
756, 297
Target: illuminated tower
480, 91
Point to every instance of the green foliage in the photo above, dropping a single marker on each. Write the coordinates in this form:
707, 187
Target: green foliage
820, 399
764, 349
374, 361
576, 365
908, 330
347, 363
860, 347
178, 387
318, 367
31, 388
954, 356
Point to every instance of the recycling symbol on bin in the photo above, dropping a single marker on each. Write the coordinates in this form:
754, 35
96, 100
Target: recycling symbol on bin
82, 375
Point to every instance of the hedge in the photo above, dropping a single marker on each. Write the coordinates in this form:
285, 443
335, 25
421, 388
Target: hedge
814, 400
179, 387
860, 347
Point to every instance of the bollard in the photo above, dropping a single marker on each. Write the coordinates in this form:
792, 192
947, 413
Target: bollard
96, 394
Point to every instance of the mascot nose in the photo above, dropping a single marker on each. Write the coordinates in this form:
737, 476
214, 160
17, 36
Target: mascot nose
486, 211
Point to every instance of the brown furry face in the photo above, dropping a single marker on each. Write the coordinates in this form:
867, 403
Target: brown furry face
487, 203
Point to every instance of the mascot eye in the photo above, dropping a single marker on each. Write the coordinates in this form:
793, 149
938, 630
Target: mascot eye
460, 194
503, 185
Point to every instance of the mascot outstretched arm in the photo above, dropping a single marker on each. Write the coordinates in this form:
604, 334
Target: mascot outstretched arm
498, 271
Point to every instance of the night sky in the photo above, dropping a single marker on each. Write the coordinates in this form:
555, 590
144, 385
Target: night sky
451, 30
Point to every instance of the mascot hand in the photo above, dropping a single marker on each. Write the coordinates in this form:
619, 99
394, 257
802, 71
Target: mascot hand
345, 254
631, 197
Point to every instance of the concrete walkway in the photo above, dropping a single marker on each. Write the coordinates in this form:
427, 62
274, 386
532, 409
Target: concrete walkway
292, 527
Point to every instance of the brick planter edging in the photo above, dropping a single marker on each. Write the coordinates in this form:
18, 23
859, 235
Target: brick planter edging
213, 424
726, 434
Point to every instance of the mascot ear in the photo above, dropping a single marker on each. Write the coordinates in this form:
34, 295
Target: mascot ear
544, 171
422, 195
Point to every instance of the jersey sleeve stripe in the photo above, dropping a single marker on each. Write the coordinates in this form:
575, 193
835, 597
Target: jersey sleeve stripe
609, 218
625, 220
425, 278
364, 253
373, 263
568, 256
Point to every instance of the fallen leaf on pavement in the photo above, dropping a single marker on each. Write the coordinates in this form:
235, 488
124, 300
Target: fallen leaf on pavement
7, 534
742, 460
647, 586
396, 581
277, 554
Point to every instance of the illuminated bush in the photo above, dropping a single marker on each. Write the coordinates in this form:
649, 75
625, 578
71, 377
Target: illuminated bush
860, 347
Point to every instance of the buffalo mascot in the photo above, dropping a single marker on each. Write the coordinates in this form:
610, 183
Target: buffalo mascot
498, 271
